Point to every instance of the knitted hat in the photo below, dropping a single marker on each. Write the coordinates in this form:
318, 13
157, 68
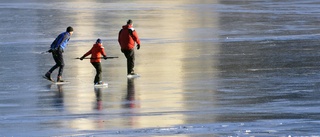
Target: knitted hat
98, 41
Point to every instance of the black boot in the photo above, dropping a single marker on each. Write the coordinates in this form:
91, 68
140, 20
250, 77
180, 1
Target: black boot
48, 76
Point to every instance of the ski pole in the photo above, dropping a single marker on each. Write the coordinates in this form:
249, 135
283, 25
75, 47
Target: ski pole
98, 58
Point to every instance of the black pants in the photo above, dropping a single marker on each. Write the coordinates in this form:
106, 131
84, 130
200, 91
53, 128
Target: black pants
97, 66
130, 59
58, 58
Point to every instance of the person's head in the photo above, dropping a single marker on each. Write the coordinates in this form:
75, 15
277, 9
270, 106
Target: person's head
70, 30
99, 41
129, 22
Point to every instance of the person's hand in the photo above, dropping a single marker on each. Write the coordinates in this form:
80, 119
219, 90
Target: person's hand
105, 57
81, 58
138, 46
50, 50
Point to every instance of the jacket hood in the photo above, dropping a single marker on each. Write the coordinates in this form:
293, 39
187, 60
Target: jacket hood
127, 26
98, 44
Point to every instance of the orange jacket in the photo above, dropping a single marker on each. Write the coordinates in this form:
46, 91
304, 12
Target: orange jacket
96, 51
127, 37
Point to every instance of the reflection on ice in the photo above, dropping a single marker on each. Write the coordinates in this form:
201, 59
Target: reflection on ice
130, 99
98, 92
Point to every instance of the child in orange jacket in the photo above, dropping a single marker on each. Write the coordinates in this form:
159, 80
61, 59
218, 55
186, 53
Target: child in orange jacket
96, 51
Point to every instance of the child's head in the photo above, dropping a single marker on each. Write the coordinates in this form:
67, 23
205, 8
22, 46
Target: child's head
98, 41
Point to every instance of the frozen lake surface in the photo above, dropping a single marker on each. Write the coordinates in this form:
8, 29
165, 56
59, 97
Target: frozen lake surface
208, 68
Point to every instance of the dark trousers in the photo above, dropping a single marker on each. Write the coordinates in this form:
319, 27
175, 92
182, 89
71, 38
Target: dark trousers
97, 66
130, 59
58, 58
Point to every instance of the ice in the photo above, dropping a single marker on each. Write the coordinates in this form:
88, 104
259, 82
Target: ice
208, 68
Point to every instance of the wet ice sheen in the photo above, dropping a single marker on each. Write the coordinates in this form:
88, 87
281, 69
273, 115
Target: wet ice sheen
210, 68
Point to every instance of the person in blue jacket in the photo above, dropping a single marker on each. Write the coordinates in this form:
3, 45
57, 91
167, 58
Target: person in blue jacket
57, 48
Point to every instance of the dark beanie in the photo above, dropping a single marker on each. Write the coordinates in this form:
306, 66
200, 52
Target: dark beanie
129, 21
69, 29
99, 41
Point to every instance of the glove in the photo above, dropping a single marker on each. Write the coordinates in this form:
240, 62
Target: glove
105, 57
138, 46
50, 50
81, 58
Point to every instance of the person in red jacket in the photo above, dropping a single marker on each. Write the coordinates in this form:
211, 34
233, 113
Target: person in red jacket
127, 38
96, 51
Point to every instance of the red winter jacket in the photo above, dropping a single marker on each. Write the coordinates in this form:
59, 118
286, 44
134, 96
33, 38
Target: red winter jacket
96, 51
127, 37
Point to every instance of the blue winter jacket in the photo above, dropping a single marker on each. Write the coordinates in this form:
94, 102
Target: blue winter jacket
61, 41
